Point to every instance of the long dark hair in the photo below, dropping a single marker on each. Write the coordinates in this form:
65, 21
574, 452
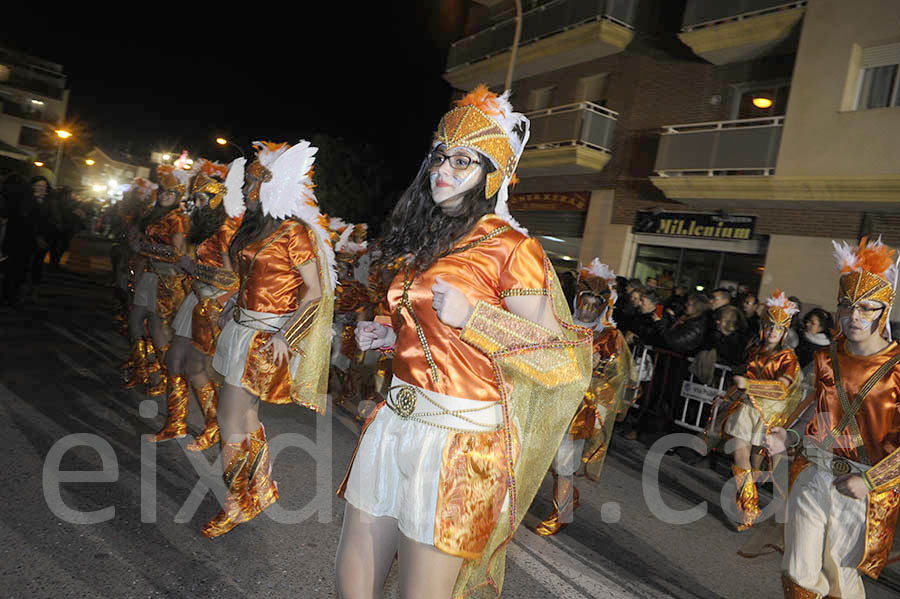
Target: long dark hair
251, 227
205, 221
421, 230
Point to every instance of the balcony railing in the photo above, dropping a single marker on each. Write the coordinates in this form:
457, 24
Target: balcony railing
741, 147
583, 124
539, 23
703, 13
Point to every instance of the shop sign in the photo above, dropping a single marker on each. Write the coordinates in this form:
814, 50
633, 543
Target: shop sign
572, 200
692, 224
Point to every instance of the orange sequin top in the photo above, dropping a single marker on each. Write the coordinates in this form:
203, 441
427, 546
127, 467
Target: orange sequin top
164, 230
486, 271
269, 269
764, 366
211, 250
879, 416
607, 343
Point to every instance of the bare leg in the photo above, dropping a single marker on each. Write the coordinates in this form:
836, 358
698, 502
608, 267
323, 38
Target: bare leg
742, 454
426, 571
158, 331
235, 404
365, 553
195, 366
176, 357
136, 322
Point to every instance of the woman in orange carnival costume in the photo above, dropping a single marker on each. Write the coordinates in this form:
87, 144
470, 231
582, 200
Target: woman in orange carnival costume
159, 290
614, 375
214, 220
764, 397
276, 340
488, 370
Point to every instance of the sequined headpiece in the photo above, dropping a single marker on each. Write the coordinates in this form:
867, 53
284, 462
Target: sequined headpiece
143, 188
486, 123
213, 169
203, 183
779, 310
172, 179
598, 280
868, 272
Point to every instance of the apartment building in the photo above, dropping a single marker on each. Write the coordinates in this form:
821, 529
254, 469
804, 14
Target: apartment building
33, 102
707, 142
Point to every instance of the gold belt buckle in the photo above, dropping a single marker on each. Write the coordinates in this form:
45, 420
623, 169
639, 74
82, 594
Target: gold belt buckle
236, 313
405, 402
840, 466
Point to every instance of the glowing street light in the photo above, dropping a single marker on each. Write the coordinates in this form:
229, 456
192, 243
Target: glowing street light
63, 134
221, 141
90, 162
97, 187
762, 102
224, 142
112, 183
167, 156
38, 163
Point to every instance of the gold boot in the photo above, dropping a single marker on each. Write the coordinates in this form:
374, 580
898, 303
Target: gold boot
237, 507
177, 408
140, 374
552, 524
138, 353
792, 590
261, 489
209, 402
158, 366
747, 498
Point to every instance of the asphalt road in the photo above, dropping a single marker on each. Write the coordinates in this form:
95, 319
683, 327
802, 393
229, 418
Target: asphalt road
125, 520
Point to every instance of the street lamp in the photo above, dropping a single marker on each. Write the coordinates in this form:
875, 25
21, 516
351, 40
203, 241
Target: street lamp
90, 162
224, 142
63, 135
38, 163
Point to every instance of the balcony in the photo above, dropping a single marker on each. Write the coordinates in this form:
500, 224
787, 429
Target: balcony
727, 31
554, 35
17, 111
575, 139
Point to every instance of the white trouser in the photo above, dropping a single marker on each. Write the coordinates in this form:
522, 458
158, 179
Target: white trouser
568, 456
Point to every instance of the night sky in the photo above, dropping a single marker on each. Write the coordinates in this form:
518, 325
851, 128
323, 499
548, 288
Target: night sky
368, 72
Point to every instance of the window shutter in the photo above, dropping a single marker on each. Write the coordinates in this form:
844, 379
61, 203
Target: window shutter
879, 56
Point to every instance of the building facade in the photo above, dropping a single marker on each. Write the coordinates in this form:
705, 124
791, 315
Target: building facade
33, 102
706, 142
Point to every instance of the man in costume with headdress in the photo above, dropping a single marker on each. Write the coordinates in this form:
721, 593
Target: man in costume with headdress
845, 493
613, 378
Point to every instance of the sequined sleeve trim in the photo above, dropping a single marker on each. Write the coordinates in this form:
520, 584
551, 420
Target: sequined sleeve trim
220, 278
517, 292
763, 389
300, 328
885, 474
159, 252
492, 329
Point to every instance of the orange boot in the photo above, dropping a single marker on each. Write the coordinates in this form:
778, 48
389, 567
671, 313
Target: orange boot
140, 374
158, 366
138, 353
552, 524
792, 590
747, 497
209, 403
177, 407
237, 507
261, 489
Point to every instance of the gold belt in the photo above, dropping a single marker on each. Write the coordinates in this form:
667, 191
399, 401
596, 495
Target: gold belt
403, 403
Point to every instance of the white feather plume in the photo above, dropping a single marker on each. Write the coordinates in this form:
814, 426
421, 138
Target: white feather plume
341, 244
289, 194
510, 121
339, 224
845, 254
598, 269
234, 181
780, 300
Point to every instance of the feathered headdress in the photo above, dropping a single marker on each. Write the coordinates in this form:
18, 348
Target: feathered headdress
779, 309
487, 123
213, 169
598, 279
349, 244
142, 187
172, 179
234, 181
288, 192
868, 272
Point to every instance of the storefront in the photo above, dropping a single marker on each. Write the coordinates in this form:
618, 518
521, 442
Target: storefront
700, 251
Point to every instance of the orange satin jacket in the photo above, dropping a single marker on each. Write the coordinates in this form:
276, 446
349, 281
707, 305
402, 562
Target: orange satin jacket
269, 269
211, 250
763, 366
879, 416
164, 230
487, 271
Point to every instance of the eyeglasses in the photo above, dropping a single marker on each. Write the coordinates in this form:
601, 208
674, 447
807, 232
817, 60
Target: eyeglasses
867, 312
458, 162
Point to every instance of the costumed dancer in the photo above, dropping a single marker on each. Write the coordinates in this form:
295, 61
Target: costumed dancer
351, 306
487, 372
135, 202
215, 218
276, 340
160, 288
763, 397
845, 494
613, 376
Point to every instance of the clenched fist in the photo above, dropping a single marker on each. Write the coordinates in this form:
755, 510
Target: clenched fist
452, 307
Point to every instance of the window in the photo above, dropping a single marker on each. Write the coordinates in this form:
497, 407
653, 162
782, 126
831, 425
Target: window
29, 137
698, 270
878, 77
592, 89
538, 99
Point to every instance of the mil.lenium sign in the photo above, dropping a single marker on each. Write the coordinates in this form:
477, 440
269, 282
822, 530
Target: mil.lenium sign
688, 224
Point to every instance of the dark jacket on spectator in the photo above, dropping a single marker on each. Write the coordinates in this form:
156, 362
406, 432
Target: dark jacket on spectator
684, 337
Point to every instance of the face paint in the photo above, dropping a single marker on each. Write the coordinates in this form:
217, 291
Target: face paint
860, 320
448, 185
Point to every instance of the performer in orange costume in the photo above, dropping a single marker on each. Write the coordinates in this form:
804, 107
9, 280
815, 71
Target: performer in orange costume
487, 372
764, 397
276, 342
213, 223
613, 376
159, 290
845, 493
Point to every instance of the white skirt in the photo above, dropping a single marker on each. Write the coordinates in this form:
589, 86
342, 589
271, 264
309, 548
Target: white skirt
145, 291
185, 316
746, 424
397, 468
234, 342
